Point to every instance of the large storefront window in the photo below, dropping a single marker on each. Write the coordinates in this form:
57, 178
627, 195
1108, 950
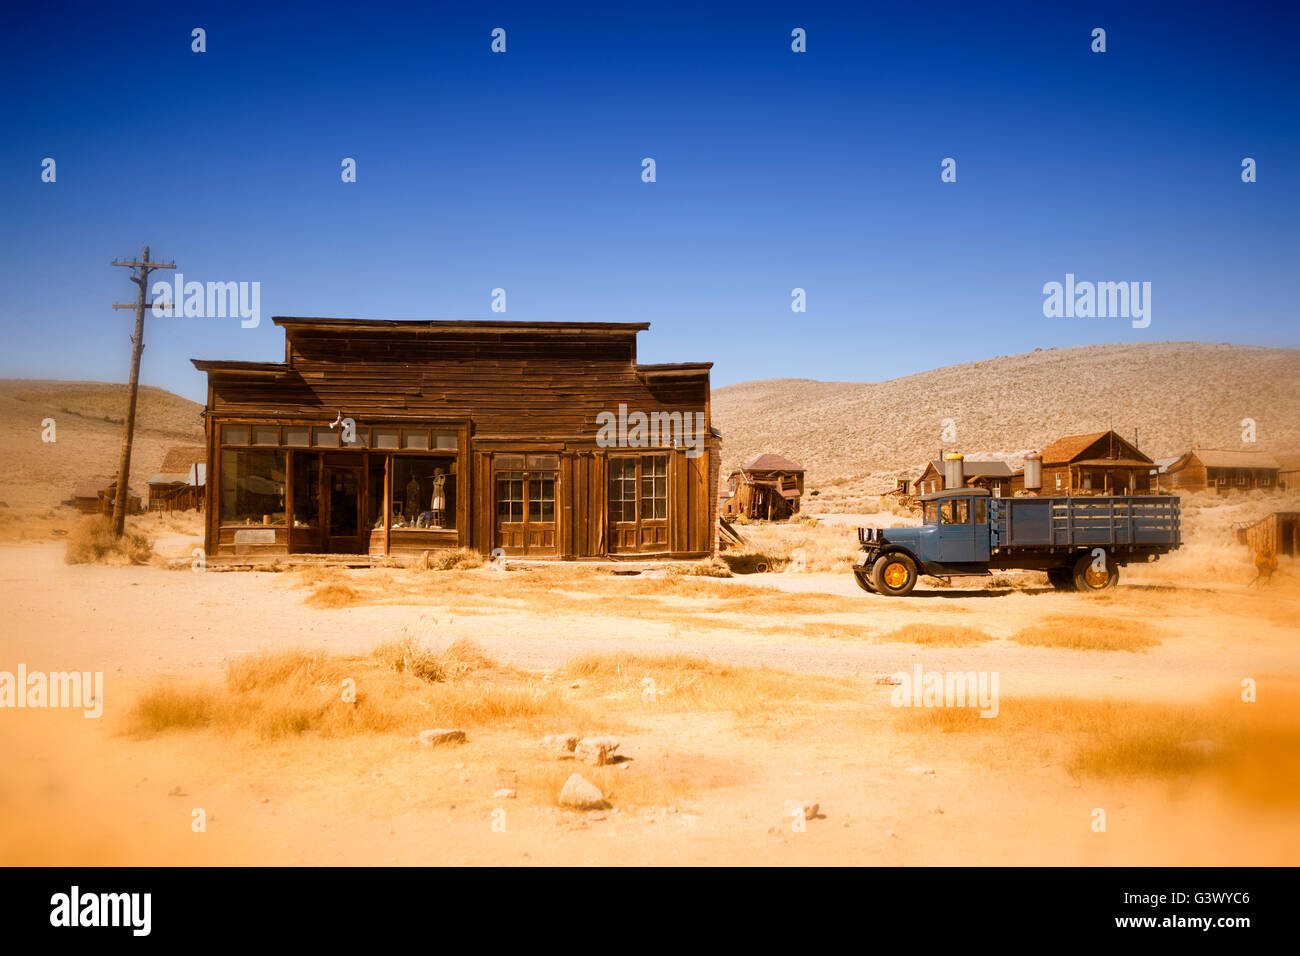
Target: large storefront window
252, 487
424, 492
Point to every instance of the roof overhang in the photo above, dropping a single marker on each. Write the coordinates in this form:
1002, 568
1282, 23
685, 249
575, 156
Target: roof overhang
438, 326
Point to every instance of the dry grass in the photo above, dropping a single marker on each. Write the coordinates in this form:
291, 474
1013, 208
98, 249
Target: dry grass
92, 542
1089, 634
294, 692
685, 682
456, 559
937, 635
333, 594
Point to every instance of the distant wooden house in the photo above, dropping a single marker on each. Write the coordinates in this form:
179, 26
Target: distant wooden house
1275, 534
98, 497
179, 484
1100, 463
1204, 469
996, 476
1288, 472
769, 488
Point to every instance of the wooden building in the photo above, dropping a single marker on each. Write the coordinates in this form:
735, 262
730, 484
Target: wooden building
1222, 471
541, 439
1101, 463
98, 497
769, 488
179, 483
1288, 472
994, 475
1275, 534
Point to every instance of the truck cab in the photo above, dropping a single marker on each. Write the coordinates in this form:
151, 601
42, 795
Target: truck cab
953, 539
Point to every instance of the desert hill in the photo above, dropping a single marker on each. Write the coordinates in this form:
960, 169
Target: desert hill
88, 421
1173, 394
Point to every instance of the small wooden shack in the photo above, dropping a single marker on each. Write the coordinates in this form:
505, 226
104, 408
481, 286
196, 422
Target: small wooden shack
178, 486
1275, 534
1204, 469
1100, 463
97, 498
769, 488
994, 475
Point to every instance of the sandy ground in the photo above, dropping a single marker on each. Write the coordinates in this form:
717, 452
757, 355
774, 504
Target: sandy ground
82, 791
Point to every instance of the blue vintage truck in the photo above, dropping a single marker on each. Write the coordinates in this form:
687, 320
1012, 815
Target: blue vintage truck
1079, 541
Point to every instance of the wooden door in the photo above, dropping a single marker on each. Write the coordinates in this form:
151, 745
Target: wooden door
526, 512
638, 504
342, 509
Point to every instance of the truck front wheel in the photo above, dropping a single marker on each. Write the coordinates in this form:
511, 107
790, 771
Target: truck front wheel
1095, 573
894, 575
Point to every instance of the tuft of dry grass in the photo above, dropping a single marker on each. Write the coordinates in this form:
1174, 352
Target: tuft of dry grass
937, 635
294, 692
715, 568
92, 542
333, 595
1089, 634
456, 559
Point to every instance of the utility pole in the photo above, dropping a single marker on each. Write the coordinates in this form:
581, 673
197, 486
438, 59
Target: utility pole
140, 276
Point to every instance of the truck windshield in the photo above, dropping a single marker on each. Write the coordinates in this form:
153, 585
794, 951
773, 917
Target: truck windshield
931, 512
955, 511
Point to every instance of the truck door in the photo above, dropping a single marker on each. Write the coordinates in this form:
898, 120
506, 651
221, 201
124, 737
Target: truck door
957, 532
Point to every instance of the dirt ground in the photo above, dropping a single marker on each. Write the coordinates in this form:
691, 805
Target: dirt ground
717, 768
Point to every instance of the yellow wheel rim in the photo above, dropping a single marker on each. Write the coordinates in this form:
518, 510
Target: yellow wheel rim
895, 575
1095, 578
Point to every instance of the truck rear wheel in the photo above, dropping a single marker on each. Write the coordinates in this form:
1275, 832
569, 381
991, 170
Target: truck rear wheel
1090, 579
894, 575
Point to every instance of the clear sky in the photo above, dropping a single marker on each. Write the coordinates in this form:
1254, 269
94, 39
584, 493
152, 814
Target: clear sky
775, 170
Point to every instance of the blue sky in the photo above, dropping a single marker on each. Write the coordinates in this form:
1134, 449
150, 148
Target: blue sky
775, 170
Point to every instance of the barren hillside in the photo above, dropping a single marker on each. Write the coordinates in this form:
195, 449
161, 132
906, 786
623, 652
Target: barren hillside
1173, 394
88, 422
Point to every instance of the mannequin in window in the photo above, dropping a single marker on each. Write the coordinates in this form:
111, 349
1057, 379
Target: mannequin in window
439, 503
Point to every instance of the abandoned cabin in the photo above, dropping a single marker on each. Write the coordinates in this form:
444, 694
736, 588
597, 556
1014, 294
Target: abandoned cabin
994, 475
99, 497
1202, 469
1288, 473
769, 488
1275, 534
1101, 463
178, 485
383, 437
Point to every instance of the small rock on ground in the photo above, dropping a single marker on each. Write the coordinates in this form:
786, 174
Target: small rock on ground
581, 794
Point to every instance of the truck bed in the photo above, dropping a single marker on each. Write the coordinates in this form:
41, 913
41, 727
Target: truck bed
1127, 521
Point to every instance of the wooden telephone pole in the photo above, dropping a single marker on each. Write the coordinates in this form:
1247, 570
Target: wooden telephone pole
140, 276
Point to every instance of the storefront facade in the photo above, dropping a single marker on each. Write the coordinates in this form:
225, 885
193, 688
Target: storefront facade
384, 438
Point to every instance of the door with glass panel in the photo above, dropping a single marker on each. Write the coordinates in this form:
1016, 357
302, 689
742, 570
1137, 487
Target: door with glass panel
525, 492
638, 503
